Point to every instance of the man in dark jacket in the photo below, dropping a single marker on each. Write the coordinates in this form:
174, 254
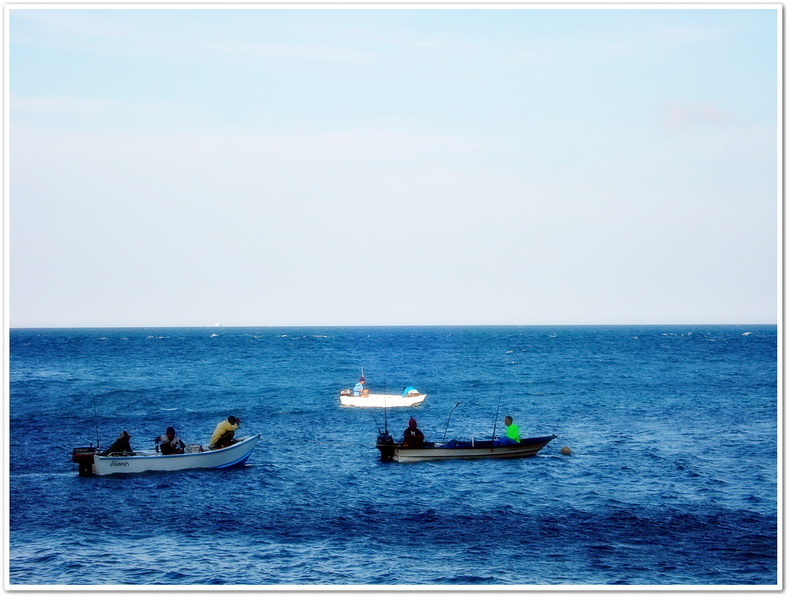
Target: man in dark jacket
412, 436
121, 445
169, 443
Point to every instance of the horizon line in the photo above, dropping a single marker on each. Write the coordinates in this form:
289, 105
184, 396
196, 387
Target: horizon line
215, 326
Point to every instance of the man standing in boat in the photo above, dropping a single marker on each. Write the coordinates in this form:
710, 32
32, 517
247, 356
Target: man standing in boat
223, 434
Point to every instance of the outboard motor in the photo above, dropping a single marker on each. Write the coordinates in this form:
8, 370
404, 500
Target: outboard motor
386, 446
83, 456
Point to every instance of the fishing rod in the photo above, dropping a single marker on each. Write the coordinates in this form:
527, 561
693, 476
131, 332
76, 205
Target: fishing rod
96, 421
496, 417
376, 422
386, 431
448, 420
384, 442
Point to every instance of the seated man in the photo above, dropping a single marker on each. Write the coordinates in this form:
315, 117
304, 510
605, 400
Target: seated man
359, 387
512, 433
169, 443
223, 434
121, 445
412, 436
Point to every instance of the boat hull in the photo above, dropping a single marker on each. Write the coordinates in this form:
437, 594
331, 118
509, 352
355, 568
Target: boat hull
485, 449
382, 401
236, 454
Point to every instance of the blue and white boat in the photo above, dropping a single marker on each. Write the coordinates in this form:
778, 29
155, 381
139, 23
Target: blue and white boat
195, 457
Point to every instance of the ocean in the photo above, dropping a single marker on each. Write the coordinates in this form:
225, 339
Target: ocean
671, 480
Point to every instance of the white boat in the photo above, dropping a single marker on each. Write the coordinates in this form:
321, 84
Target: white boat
455, 449
409, 398
195, 457
347, 399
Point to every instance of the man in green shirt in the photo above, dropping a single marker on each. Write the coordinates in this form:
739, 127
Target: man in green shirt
512, 433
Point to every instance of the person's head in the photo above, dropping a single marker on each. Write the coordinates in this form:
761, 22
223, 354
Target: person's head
508, 420
171, 431
361, 380
412, 424
234, 420
125, 434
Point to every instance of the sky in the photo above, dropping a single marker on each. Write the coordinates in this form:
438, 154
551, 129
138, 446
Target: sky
392, 166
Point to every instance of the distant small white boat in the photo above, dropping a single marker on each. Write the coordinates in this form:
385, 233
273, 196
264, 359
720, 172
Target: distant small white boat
91, 462
347, 399
409, 398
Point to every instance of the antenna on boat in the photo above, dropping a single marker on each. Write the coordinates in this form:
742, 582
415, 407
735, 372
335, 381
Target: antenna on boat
448, 420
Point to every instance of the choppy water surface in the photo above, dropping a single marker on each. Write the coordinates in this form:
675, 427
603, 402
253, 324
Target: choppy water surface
672, 480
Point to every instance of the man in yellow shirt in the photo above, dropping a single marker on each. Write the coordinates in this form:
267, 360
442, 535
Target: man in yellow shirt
223, 434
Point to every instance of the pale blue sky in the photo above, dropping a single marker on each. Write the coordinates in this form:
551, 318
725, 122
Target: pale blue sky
342, 167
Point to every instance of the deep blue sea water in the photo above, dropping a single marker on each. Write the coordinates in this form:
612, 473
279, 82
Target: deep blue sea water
672, 478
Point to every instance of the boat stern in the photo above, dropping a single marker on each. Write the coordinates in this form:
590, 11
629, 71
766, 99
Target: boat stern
83, 456
386, 446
